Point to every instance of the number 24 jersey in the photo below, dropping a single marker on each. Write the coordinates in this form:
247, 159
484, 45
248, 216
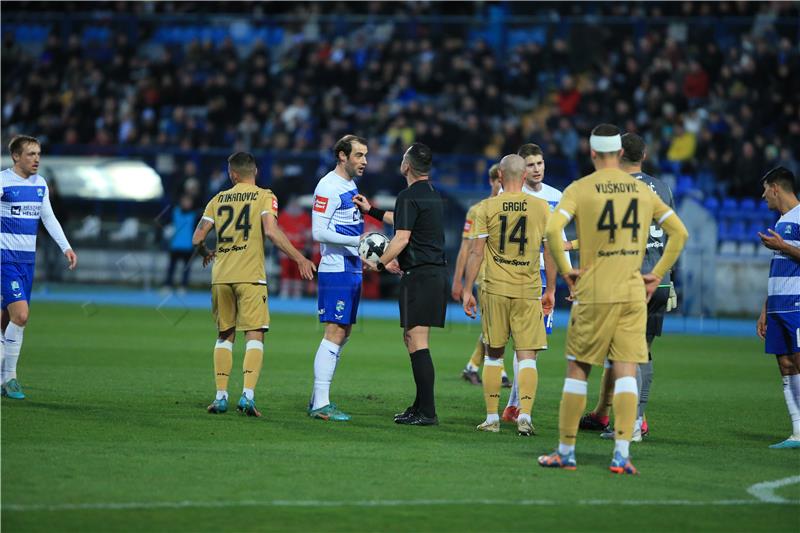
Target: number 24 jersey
236, 215
513, 225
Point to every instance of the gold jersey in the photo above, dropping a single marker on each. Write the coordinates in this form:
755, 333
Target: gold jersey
612, 212
469, 223
469, 233
236, 215
513, 225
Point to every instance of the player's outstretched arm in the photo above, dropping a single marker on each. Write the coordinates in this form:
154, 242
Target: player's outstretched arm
550, 269
474, 260
199, 240
53, 227
366, 208
274, 233
461, 265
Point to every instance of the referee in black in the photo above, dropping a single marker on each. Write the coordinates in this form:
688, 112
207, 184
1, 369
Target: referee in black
417, 250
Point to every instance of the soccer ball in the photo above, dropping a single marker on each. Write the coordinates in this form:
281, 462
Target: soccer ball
372, 246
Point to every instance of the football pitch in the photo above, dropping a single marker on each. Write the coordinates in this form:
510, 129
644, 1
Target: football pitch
114, 436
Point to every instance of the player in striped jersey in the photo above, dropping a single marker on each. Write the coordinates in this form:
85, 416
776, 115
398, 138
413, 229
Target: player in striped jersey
25, 200
779, 323
470, 372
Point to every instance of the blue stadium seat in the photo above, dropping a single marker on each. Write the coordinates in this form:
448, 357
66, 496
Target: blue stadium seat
738, 231
684, 184
712, 204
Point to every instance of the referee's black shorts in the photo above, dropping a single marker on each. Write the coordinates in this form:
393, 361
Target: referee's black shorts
423, 297
656, 308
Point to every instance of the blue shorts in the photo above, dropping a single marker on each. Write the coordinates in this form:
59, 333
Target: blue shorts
783, 333
17, 281
338, 296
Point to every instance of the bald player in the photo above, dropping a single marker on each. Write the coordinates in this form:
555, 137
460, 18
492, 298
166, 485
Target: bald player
612, 212
510, 230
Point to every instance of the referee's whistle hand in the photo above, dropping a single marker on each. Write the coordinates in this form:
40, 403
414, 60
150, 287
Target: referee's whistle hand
362, 203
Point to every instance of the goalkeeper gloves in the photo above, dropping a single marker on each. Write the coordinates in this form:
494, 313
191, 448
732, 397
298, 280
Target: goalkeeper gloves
672, 302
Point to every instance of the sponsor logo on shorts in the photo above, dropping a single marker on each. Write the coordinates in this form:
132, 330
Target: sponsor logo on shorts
337, 317
321, 311
320, 204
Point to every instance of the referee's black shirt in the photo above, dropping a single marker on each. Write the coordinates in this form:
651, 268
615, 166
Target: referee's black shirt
420, 209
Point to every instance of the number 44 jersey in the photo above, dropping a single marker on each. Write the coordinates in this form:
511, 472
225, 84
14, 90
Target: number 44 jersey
236, 215
613, 212
513, 225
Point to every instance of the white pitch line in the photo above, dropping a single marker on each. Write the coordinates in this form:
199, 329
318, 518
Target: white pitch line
193, 504
765, 491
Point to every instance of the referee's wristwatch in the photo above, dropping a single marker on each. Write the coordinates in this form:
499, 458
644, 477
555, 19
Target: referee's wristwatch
380, 266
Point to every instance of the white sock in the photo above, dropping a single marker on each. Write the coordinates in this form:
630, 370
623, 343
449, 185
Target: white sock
324, 367
791, 402
248, 393
222, 395
513, 398
524, 418
623, 447
565, 449
471, 367
491, 419
12, 344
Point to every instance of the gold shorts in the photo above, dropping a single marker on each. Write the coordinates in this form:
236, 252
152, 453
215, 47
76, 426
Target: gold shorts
521, 318
240, 305
615, 330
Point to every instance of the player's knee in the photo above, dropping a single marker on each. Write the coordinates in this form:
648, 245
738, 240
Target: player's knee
336, 334
787, 365
227, 335
20, 318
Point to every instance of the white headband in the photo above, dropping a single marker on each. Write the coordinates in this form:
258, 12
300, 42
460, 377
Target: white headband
600, 143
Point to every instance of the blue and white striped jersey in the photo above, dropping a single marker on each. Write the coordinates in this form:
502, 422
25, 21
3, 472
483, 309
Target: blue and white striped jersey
337, 224
22, 203
552, 196
783, 294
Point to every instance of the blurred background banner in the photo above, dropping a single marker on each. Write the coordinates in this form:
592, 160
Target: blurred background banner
138, 105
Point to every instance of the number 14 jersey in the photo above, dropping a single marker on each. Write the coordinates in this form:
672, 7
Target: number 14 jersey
612, 212
513, 225
236, 215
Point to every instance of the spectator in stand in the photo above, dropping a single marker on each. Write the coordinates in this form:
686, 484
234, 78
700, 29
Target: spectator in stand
184, 219
683, 145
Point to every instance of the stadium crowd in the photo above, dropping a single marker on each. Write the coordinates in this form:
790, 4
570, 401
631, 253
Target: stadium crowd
714, 99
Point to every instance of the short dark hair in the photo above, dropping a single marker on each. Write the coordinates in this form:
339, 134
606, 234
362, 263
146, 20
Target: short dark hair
783, 177
18, 142
243, 163
634, 148
345, 144
529, 149
420, 159
605, 130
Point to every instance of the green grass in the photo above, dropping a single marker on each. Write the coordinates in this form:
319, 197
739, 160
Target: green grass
116, 414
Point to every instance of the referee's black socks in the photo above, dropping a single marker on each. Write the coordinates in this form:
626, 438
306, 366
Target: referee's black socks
422, 366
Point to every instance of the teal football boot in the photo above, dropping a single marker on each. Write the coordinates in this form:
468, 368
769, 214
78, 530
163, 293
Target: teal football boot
329, 412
